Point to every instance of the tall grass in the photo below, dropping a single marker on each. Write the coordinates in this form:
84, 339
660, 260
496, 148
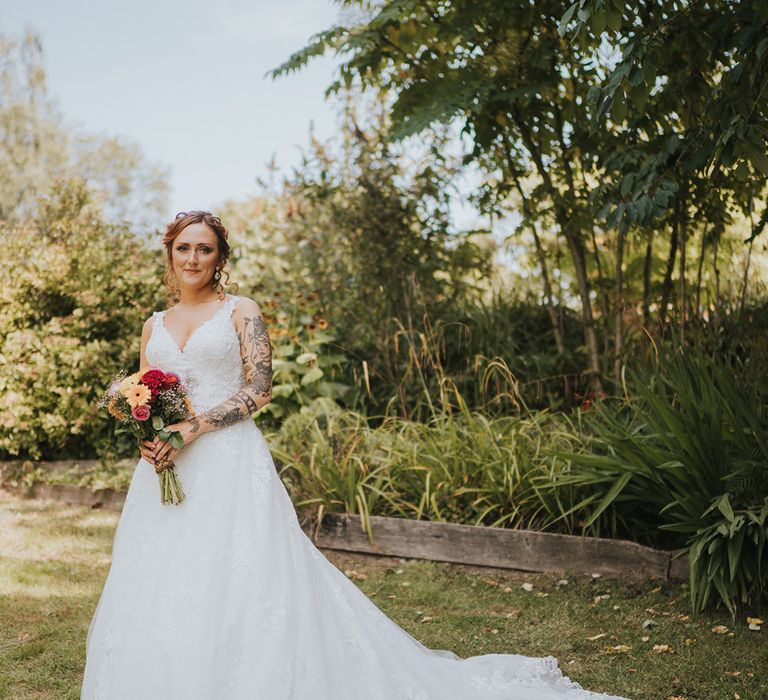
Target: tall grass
459, 466
474, 346
430, 456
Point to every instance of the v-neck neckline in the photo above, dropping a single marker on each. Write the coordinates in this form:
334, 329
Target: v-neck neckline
194, 332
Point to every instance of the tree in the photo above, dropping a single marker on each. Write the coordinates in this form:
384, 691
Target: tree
36, 148
362, 231
518, 89
577, 133
688, 84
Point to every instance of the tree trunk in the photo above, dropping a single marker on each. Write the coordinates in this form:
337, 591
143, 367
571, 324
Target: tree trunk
647, 264
618, 306
666, 287
715, 268
683, 301
746, 276
556, 330
604, 301
548, 291
700, 270
560, 303
576, 249
749, 256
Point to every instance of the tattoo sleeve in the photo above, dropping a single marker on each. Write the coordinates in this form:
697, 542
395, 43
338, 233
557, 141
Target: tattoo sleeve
256, 353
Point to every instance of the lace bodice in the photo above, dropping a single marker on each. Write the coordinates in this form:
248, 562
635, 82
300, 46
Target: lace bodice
210, 365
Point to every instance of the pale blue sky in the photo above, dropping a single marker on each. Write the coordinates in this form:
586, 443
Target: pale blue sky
185, 79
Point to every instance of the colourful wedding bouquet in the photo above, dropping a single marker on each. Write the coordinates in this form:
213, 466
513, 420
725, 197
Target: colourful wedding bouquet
143, 404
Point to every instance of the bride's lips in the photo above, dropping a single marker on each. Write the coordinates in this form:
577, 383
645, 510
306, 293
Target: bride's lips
192, 270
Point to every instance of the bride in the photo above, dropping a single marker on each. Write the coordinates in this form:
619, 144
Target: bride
224, 597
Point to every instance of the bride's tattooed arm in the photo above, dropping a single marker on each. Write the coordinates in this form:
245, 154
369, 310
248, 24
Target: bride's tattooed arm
256, 353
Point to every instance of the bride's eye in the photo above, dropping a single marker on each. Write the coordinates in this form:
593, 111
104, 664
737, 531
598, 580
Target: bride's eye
183, 248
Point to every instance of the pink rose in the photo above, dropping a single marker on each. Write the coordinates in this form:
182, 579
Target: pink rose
140, 412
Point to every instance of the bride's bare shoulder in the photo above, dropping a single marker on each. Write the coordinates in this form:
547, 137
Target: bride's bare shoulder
147, 324
146, 329
245, 307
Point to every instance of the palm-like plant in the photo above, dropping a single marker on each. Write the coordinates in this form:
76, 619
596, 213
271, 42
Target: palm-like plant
687, 455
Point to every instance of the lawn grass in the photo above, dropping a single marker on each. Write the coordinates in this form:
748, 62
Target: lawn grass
54, 558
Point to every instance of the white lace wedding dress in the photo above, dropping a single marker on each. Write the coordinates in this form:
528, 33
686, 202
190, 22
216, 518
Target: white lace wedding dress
225, 598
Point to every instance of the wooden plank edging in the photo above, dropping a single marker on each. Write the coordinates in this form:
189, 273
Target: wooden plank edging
522, 550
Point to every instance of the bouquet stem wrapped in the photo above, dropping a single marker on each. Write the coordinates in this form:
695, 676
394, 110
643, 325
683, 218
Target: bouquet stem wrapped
170, 486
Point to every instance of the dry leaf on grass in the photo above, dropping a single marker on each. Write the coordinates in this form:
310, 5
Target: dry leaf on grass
351, 573
597, 636
618, 649
720, 629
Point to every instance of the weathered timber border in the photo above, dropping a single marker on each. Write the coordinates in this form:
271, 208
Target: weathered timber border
523, 550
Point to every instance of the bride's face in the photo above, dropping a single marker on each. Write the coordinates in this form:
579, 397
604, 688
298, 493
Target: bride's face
195, 255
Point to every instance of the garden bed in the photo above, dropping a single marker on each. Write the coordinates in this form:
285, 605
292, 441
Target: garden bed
523, 550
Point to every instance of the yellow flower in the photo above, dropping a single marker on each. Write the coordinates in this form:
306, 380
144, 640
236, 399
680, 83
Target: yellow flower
130, 380
137, 395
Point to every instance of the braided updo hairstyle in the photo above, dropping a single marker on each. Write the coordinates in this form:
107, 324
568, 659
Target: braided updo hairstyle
182, 220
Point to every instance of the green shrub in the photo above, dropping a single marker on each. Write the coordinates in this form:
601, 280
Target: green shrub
305, 365
72, 318
687, 456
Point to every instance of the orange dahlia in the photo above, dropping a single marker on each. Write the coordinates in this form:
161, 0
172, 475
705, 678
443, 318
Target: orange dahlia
115, 411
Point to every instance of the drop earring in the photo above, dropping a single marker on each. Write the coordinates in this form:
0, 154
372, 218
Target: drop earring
217, 284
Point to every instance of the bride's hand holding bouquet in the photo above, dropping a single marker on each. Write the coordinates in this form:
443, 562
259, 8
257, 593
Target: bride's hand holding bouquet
162, 449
